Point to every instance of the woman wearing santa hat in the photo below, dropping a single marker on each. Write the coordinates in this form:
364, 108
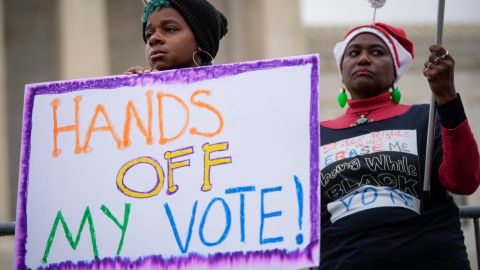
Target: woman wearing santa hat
372, 161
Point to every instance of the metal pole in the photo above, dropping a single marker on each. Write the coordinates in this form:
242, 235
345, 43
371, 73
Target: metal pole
7, 228
431, 119
477, 240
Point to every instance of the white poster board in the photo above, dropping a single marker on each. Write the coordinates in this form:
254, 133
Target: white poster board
202, 168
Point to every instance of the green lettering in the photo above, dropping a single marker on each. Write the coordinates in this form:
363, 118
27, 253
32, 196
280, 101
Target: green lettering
123, 227
87, 217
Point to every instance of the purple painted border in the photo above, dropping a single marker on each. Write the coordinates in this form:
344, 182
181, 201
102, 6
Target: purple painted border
21, 223
314, 151
157, 261
179, 76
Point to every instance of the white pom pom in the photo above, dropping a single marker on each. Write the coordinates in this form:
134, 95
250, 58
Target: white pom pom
377, 3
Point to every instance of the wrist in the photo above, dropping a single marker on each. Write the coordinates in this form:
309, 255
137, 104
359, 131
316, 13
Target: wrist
452, 114
444, 99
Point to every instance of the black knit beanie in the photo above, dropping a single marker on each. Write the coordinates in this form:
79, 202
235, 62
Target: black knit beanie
207, 23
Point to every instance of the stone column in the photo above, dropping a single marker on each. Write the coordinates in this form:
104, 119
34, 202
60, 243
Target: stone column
127, 48
83, 36
4, 176
283, 32
6, 243
260, 29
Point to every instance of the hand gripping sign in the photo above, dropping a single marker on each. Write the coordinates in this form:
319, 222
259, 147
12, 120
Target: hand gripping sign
201, 168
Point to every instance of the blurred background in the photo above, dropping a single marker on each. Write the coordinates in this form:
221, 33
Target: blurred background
49, 40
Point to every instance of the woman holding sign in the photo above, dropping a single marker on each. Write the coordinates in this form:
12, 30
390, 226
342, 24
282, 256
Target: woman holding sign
180, 34
372, 160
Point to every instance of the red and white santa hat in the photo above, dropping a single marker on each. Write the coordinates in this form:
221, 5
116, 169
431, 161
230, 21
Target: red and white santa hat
400, 47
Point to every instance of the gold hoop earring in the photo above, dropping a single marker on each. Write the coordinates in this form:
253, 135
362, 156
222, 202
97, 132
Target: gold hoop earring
197, 51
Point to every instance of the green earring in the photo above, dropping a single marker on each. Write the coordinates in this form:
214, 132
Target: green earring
342, 98
395, 94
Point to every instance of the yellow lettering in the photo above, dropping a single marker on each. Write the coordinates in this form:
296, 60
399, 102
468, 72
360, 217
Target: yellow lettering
169, 155
208, 149
137, 194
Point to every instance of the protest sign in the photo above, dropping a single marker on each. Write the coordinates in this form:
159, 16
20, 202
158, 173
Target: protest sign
202, 168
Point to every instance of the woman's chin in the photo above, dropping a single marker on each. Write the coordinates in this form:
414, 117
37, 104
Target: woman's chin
160, 66
364, 87
366, 91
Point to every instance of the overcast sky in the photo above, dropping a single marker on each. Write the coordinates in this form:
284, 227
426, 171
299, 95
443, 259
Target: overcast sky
328, 12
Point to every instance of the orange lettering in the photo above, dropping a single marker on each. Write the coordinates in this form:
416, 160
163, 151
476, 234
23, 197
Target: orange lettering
128, 119
163, 139
209, 107
109, 127
75, 127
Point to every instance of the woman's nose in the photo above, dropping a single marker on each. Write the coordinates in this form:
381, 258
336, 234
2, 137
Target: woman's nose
363, 58
157, 37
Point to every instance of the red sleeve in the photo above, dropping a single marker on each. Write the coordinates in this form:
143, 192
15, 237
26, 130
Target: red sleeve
460, 168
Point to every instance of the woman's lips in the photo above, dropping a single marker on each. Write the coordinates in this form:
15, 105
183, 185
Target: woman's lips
157, 54
363, 72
